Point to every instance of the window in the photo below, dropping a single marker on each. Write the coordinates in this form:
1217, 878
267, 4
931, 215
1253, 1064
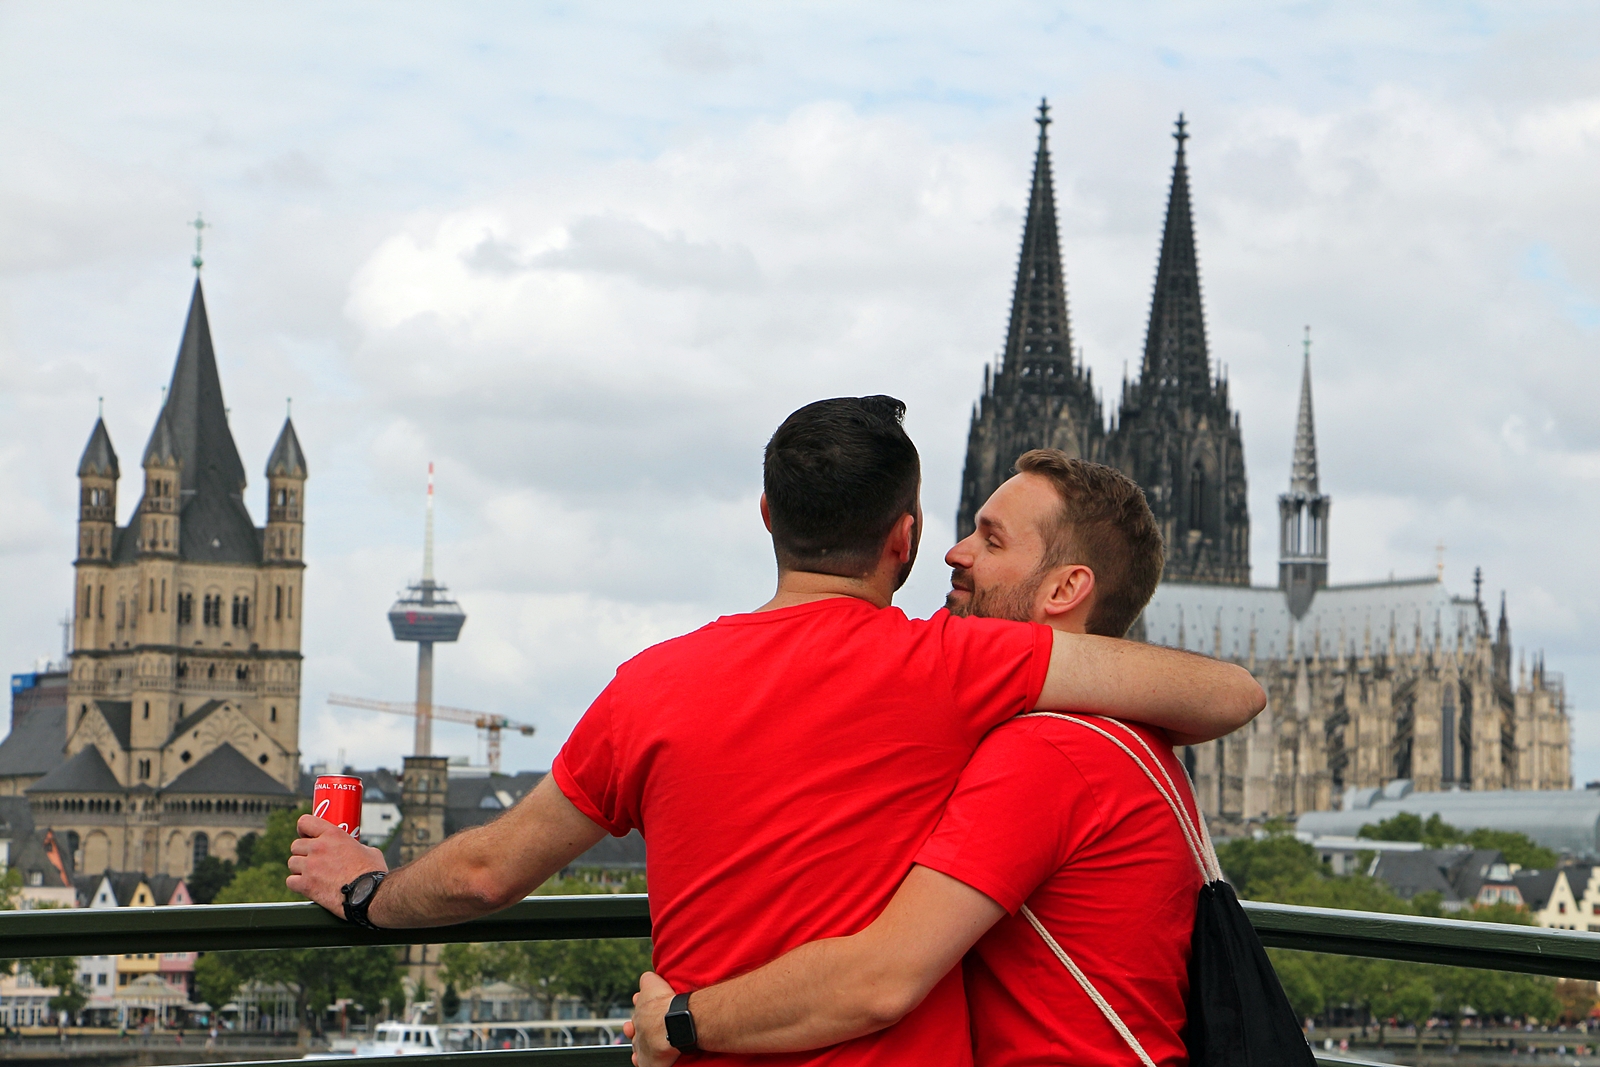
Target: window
273, 717
122, 613
1562, 907
100, 979
1197, 495
101, 613
144, 769
241, 611
147, 709
88, 600
278, 611
202, 848
163, 594
290, 611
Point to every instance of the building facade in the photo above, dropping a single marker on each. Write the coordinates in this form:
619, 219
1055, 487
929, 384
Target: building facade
182, 717
1174, 432
1368, 684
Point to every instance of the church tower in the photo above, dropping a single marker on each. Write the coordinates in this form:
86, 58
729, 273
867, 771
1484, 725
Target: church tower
1038, 395
182, 728
1176, 435
1303, 511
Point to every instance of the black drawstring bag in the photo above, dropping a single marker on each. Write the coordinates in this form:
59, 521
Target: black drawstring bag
1238, 1013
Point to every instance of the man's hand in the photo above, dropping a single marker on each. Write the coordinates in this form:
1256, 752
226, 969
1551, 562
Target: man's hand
648, 1027
324, 859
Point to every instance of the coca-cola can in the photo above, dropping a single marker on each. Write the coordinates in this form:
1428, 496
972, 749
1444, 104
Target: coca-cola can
337, 798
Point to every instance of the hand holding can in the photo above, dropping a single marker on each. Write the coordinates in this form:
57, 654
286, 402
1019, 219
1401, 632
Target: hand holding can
337, 798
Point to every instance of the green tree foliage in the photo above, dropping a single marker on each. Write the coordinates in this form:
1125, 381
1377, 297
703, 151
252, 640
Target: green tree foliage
210, 876
367, 975
1282, 869
450, 1003
601, 973
1518, 848
62, 973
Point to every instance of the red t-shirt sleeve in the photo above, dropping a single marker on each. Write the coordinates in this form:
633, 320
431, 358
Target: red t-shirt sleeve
1019, 812
996, 668
588, 772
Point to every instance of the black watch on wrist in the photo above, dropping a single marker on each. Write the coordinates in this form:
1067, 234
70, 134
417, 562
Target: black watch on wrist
680, 1025
358, 897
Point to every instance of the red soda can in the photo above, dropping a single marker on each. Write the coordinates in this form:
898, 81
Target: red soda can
337, 798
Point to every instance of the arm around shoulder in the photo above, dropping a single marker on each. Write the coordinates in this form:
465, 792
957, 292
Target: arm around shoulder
1192, 697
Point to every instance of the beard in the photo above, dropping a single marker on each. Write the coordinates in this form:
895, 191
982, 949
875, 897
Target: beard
1014, 602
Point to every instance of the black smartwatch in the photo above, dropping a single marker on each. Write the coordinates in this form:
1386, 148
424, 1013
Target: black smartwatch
680, 1025
358, 897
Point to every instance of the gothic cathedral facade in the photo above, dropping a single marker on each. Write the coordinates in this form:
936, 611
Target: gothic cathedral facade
183, 690
1368, 684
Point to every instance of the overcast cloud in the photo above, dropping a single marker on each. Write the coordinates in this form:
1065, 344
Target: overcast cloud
586, 259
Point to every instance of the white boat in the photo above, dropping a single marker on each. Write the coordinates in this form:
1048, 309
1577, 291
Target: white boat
392, 1039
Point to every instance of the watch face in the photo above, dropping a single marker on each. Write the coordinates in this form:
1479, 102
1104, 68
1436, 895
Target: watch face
362, 890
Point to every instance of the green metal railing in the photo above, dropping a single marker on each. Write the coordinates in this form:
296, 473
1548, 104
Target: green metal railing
71, 932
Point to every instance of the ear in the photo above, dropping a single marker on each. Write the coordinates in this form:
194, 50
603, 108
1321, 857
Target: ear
766, 513
1068, 590
902, 539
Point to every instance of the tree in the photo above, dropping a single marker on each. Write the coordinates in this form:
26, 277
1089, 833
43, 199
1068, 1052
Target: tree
1577, 999
367, 974
61, 972
1517, 847
211, 875
450, 1003
604, 972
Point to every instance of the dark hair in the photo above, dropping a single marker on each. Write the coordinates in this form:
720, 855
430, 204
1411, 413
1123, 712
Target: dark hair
838, 475
1105, 524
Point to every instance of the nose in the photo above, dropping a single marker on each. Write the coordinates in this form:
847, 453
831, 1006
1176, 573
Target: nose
961, 554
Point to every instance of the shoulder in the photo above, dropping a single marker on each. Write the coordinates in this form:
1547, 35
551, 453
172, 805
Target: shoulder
1100, 748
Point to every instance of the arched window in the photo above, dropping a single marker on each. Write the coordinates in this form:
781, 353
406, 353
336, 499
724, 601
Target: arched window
202, 848
1197, 496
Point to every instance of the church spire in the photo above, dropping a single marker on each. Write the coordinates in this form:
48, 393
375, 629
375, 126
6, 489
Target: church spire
1304, 478
191, 434
1175, 352
1039, 330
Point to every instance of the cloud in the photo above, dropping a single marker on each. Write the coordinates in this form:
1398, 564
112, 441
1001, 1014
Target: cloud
587, 263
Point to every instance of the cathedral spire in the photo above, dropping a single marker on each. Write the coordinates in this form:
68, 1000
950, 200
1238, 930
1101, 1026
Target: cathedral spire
1175, 352
1039, 330
1304, 478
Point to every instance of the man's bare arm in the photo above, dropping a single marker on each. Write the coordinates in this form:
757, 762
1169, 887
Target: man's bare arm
833, 990
469, 874
1193, 698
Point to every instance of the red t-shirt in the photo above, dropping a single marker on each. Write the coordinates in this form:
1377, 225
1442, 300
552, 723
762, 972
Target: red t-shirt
1051, 814
784, 768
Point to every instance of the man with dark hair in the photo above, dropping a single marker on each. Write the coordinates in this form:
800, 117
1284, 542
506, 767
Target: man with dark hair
785, 765
1054, 837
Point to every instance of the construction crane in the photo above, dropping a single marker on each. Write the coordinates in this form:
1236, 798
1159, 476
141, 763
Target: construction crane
489, 724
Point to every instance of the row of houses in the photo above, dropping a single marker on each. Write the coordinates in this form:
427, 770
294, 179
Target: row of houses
1565, 897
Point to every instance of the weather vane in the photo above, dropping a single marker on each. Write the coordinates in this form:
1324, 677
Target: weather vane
199, 224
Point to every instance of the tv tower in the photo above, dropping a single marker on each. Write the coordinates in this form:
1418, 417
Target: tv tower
425, 614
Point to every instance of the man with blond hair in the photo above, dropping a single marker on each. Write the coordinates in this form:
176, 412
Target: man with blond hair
1058, 844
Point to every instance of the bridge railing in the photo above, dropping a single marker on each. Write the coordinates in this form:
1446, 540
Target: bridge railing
85, 932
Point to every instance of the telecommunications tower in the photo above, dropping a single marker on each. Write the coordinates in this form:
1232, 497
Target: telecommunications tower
425, 614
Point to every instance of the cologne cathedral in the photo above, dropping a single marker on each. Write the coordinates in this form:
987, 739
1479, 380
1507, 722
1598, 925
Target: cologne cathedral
1368, 684
180, 728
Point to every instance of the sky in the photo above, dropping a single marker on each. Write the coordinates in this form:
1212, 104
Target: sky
585, 258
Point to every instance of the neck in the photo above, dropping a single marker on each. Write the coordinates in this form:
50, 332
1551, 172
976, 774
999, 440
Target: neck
805, 587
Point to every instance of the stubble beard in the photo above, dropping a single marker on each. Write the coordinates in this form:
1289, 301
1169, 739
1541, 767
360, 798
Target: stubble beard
1013, 602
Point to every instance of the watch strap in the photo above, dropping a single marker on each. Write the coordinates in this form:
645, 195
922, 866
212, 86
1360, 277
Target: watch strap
680, 1025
